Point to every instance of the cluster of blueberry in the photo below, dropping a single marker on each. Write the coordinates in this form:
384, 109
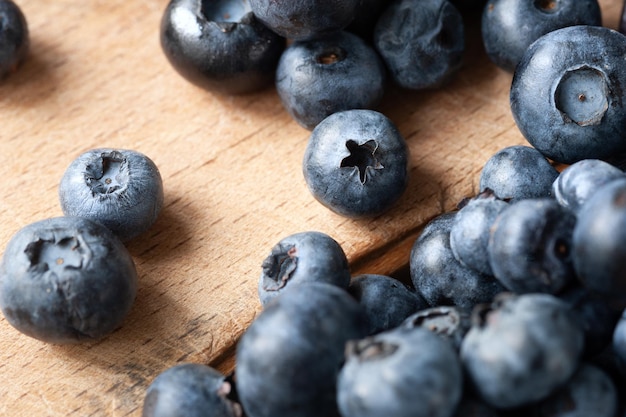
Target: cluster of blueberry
517, 296
71, 279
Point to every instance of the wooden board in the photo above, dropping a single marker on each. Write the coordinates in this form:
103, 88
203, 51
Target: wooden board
231, 166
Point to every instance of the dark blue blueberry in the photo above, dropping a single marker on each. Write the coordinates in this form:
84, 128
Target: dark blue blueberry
599, 251
597, 318
386, 301
402, 373
289, 358
530, 246
119, 188
473, 406
510, 26
567, 94
14, 37
421, 42
439, 277
356, 163
190, 390
521, 349
305, 19
518, 172
449, 322
469, 234
590, 392
220, 45
576, 183
66, 280
316, 78
303, 257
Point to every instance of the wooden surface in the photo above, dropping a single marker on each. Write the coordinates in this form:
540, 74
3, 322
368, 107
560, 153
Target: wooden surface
233, 187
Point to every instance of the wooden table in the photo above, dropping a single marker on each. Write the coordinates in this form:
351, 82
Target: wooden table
231, 167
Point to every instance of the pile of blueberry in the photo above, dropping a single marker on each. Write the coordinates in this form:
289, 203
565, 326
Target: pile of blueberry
516, 300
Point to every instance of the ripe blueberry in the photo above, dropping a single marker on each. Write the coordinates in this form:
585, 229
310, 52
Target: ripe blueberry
120, 188
356, 163
66, 280
14, 37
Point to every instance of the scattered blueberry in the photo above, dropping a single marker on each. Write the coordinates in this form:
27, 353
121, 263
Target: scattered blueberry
439, 277
577, 182
356, 163
289, 357
530, 246
421, 42
402, 373
305, 19
599, 252
220, 45
66, 280
190, 390
469, 234
521, 349
318, 77
567, 95
14, 37
303, 257
120, 188
510, 26
386, 301
518, 172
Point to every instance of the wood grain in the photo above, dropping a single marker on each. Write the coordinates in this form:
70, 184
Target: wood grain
233, 187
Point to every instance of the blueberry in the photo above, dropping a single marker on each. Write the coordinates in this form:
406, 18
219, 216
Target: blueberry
439, 277
567, 94
303, 257
518, 172
386, 301
220, 45
66, 280
402, 373
469, 234
421, 42
289, 357
590, 392
305, 19
120, 188
14, 37
510, 26
577, 182
319, 77
530, 246
521, 349
450, 322
190, 390
356, 163
599, 251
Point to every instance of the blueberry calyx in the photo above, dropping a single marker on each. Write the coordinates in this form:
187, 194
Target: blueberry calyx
361, 158
107, 174
370, 349
55, 254
279, 266
438, 319
547, 6
581, 96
